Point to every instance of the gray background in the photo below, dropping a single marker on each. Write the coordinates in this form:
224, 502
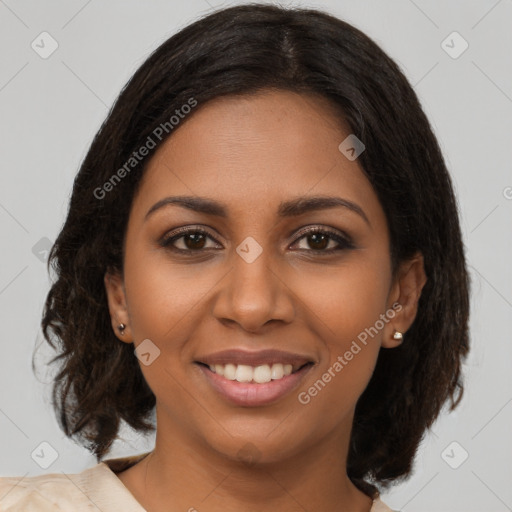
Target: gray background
51, 108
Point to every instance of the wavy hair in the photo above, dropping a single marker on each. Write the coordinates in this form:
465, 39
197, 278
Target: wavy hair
239, 51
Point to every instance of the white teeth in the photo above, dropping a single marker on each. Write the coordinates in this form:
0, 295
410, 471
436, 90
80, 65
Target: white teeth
243, 373
277, 371
262, 374
230, 371
259, 374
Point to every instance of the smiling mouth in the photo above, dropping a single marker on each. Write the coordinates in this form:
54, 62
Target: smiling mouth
249, 378
254, 386
260, 374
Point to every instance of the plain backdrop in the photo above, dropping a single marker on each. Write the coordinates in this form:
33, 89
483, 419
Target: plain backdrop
50, 109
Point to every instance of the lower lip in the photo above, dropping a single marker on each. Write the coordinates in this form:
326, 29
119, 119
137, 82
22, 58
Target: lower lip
247, 394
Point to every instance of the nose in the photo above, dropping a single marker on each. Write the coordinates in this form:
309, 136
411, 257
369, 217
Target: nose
254, 294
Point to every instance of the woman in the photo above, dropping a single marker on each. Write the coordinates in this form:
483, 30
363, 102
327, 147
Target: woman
263, 249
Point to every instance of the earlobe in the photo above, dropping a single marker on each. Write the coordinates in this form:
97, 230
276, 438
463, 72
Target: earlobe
116, 297
406, 291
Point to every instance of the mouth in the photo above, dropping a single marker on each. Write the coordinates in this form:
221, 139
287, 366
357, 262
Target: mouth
260, 374
250, 379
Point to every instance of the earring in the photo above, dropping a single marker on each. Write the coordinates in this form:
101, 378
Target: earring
121, 328
398, 336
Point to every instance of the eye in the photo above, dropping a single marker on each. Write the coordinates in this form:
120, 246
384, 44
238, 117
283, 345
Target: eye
319, 238
192, 239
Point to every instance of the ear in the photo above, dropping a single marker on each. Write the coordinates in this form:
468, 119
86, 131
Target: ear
116, 297
404, 294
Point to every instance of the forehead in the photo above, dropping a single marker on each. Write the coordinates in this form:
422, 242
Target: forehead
251, 152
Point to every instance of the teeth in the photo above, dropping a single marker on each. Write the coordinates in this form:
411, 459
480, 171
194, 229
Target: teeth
262, 374
243, 373
277, 371
229, 371
258, 374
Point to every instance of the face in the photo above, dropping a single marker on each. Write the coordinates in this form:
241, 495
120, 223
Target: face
245, 278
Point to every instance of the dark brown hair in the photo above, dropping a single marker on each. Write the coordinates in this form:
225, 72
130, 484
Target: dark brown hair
238, 51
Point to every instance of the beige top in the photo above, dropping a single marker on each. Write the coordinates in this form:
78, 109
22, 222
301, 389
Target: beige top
96, 488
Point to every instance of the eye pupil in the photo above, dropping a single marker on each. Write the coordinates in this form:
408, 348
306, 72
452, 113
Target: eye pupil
194, 237
319, 238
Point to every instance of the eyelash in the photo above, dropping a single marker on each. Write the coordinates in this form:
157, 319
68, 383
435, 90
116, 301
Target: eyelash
344, 241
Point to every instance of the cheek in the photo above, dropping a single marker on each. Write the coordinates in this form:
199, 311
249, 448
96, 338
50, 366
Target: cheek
346, 311
346, 299
161, 300
161, 295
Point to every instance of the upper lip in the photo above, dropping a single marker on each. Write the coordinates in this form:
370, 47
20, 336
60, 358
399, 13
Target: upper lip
255, 358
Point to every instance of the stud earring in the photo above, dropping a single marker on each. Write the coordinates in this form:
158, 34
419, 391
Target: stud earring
398, 336
121, 328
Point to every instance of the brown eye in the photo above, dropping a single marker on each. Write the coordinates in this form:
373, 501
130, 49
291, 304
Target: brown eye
192, 240
318, 240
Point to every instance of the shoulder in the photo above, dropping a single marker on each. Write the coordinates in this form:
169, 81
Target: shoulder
380, 506
95, 488
44, 493
48, 492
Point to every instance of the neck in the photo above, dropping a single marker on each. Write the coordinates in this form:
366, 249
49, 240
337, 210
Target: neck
183, 475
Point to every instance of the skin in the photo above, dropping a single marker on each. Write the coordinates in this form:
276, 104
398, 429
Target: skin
250, 153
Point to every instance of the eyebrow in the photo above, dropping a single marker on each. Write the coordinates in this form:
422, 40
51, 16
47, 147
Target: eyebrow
290, 208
